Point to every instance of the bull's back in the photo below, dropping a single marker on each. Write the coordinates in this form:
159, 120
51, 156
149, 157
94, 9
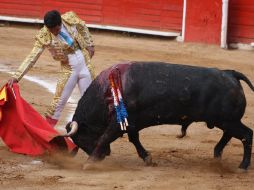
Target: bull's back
172, 91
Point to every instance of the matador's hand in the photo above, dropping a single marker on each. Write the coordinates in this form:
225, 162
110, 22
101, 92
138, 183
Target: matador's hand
91, 50
11, 81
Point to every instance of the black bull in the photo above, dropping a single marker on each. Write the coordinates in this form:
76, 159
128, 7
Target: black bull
160, 93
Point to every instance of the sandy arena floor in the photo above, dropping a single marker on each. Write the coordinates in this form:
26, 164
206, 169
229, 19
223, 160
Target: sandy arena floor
182, 164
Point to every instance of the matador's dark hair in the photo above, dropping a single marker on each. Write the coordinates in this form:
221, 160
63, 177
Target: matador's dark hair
52, 19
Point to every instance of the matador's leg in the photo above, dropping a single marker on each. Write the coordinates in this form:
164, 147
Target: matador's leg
65, 85
85, 77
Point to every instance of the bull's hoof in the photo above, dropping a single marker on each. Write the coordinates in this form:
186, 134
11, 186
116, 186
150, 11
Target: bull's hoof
149, 161
87, 166
244, 165
181, 136
217, 159
217, 154
240, 170
210, 126
95, 156
91, 163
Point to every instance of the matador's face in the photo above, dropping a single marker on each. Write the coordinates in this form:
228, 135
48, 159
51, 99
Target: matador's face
55, 30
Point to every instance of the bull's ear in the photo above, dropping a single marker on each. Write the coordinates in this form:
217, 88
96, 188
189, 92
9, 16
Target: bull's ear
67, 127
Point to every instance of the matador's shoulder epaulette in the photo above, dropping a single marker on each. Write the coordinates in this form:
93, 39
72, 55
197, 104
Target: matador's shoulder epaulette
44, 36
71, 18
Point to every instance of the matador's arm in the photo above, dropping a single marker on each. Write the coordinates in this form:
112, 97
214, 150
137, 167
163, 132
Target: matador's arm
29, 60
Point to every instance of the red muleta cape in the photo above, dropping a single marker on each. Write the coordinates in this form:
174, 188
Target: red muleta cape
24, 130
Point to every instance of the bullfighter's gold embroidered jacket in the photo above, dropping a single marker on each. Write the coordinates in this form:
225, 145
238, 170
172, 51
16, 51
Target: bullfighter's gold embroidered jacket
59, 49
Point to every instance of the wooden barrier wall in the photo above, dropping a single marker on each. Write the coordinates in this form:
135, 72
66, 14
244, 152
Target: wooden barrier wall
203, 21
161, 15
203, 18
241, 21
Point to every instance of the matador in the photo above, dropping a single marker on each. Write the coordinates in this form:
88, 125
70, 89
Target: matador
69, 41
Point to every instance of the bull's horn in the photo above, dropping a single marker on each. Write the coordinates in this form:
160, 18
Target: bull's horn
74, 129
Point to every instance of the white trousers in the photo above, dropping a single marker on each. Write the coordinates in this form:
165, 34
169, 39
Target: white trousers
80, 75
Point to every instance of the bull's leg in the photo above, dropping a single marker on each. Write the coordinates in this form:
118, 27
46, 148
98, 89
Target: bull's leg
142, 152
103, 144
221, 144
247, 144
183, 130
245, 134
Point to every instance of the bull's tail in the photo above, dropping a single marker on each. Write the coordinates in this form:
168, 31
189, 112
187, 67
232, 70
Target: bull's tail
240, 76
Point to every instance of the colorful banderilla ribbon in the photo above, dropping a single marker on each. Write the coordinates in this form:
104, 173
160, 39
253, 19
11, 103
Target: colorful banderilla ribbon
121, 112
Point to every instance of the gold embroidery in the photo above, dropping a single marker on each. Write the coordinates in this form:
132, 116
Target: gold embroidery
44, 36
